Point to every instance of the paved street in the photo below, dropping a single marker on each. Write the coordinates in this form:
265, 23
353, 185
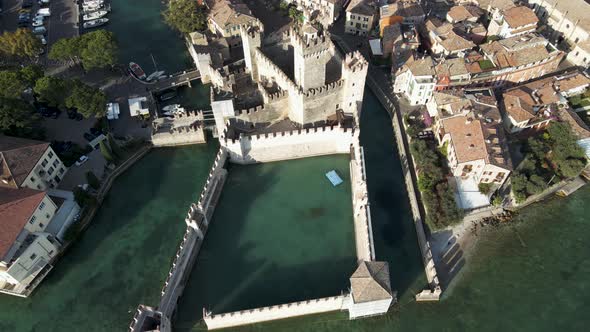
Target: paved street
63, 22
77, 174
9, 15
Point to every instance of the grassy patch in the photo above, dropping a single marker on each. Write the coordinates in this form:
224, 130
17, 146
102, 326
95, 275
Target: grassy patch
486, 64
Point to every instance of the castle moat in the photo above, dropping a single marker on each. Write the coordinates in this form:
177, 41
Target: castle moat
280, 233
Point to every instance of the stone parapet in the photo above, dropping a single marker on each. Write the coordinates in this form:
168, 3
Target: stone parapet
274, 312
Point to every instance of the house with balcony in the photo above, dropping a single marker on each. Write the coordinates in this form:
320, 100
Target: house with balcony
27, 250
29, 164
468, 127
416, 80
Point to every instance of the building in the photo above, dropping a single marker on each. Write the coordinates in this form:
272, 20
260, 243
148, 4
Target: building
444, 41
567, 21
416, 80
324, 11
512, 22
535, 104
401, 11
28, 163
26, 249
462, 13
226, 17
370, 290
360, 17
469, 127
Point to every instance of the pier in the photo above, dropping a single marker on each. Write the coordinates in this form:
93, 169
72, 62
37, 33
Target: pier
175, 80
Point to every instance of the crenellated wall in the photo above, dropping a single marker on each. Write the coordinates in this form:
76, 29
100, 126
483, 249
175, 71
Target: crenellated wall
289, 145
363, 228
182, 129
274, 312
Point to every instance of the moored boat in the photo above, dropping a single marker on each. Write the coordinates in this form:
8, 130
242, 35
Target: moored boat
168, 95
137, 71
95, 23
95, 15
173, 109
155, 75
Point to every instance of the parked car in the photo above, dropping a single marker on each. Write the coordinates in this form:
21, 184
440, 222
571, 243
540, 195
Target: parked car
42, 39
39, 30
89, 137
44, 12
82, 160
37, 23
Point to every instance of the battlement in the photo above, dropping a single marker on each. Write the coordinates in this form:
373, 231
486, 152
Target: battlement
250, 111
270, 97
197, 114
309, 46
321, 130
279, 75
355, 61
324, 90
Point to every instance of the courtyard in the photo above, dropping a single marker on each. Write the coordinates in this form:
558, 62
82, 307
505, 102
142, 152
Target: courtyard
280, 233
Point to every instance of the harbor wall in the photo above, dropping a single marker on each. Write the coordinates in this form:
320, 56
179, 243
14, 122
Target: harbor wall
282, 311
363, 229
287, 145
179, 136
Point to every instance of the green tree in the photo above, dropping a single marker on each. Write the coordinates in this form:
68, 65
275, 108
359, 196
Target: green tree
115, 148
11, 85
186, 16
52, 90
106, 151
296, 14
535, 185
30, 74
16, 116
20, 43
87, 100
484, 187
66, 49
99, 49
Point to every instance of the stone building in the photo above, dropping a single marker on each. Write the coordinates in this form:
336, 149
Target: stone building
370, 290
324, 11
225, 18
360, 17
567, 21
28, 163
444, 41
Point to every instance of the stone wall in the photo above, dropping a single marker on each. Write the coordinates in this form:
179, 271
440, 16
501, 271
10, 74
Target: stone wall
363, 229
289, 145
275, 312
179, 136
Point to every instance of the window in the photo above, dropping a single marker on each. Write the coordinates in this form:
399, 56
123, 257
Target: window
44, 163
41, 206
46, 216
577, 53
50, 170
55, 163
41, 224
61, 170
32, 221
32, 179
50, 154
577, 40
33, 256
567, 26
39, 186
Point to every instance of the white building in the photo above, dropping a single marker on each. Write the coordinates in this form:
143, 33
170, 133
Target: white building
416, 81
567, 20
370, 290
28, 163
360, 17
226, 17
26, 249
512, 22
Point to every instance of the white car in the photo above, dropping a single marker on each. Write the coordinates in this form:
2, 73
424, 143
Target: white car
44, 12
39, 30
42, 39
37, 23
82, 160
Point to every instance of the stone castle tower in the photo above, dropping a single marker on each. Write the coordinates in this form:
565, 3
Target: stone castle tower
312, 51
251, 40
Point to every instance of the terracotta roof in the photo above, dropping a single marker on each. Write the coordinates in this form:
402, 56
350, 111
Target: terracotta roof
21, 155
467, 138
462, 13
452, 67
421, 67
230, 12
520, 16
571, 82
16, 207
578, 126
370, 282
449, 39
362, 7
518, 109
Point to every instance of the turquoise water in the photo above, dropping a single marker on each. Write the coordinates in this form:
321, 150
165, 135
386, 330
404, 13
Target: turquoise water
122, 259
281, 233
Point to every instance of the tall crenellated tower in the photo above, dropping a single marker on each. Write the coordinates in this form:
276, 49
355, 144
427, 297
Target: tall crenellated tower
354, 73
251, 40
312, 51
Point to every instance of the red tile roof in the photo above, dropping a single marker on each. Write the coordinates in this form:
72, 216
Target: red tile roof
21, 155
16, 207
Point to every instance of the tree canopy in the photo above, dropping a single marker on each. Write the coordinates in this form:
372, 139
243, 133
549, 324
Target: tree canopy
16, 116
14, 82
186, 16
52, 90
20, 43
87, 100
96, 49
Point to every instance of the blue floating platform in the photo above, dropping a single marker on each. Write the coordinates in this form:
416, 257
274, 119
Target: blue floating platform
334, 178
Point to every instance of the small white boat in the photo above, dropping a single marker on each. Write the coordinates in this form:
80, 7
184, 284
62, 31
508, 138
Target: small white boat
173, 109
136, 70
95, 23
95, 15
334, 178
90, 7
155, 75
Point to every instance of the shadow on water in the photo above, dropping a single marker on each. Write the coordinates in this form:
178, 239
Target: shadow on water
393, 228
232, 273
